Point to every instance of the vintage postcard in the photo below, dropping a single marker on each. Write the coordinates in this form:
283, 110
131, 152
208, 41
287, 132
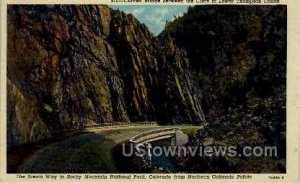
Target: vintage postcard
150, 91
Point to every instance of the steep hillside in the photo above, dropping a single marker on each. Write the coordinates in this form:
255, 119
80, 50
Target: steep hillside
74, 66
238, 57
234, 51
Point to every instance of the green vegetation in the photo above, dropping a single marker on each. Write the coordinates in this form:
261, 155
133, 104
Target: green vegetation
232, 51
190, 132
238, 61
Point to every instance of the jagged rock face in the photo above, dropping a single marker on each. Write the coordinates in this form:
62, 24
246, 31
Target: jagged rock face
137, 60
233, 52
80, 65
238, 59
24, 122
157, 80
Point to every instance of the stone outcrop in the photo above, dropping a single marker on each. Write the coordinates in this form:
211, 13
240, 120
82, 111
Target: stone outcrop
74, 66
238, 59
233, 52
24, 125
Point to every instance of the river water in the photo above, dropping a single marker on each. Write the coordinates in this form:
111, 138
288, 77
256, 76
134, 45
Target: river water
163, 161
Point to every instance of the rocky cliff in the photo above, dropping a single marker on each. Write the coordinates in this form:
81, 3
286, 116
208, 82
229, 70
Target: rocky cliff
74, 66
234, 51
238, 57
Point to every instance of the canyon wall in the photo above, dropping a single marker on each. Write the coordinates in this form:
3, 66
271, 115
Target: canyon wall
70, 66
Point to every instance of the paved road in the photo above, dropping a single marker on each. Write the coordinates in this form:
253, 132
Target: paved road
58, 157
85, 153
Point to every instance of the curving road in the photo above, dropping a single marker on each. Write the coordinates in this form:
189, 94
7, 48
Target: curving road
85, 153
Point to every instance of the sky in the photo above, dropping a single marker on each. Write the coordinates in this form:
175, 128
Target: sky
153, 16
